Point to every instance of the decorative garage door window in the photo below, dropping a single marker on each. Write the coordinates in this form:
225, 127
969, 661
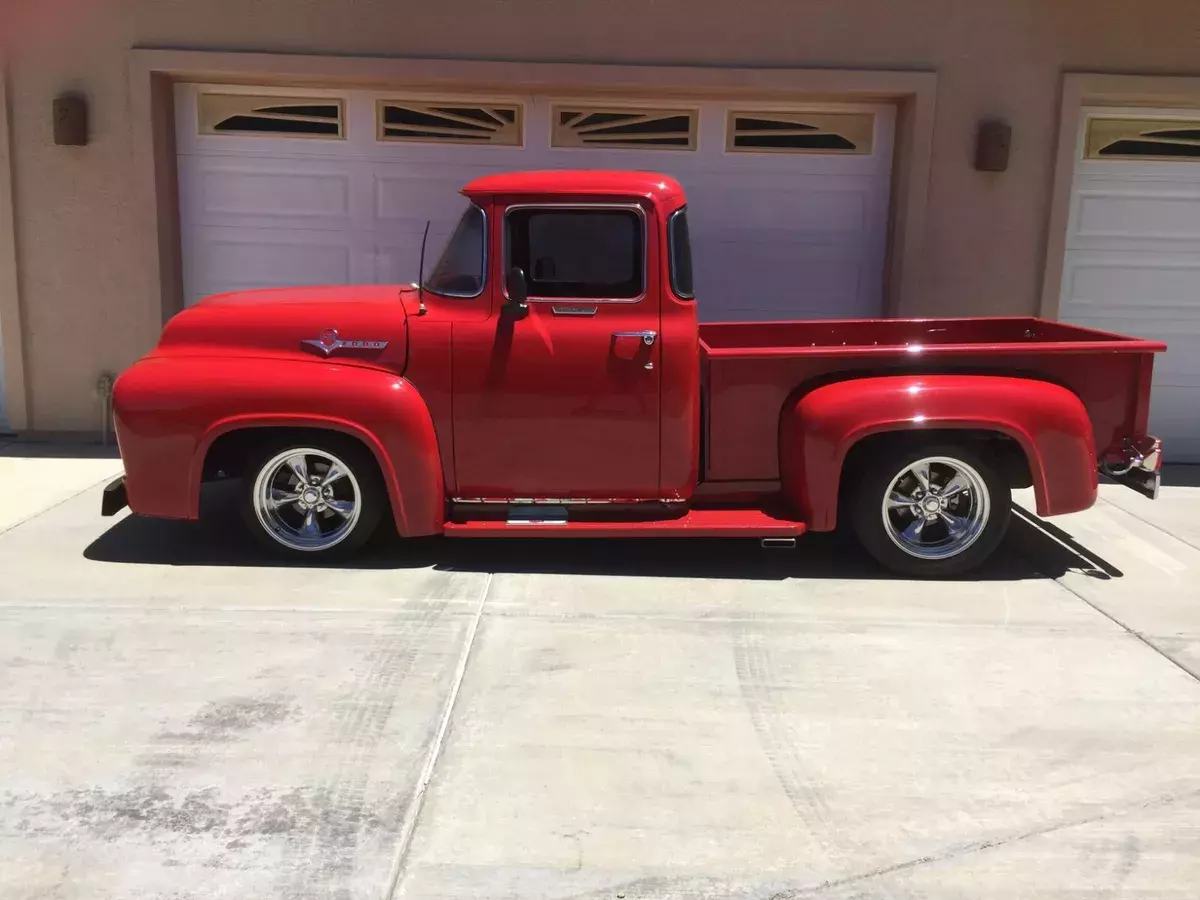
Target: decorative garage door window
243, 114
1166, 139
648, 129
799, 132
449, 122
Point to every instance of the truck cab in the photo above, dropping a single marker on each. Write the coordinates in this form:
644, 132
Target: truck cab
551, 377
574, 353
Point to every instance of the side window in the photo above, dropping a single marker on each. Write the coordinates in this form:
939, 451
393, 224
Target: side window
681, 255
592, 254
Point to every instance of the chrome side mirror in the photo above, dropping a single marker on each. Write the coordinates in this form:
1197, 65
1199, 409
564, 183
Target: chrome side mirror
517, 289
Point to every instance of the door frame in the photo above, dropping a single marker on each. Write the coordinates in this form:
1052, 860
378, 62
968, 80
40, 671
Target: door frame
14, 402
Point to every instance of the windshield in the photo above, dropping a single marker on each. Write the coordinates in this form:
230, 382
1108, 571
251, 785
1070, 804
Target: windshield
459, 270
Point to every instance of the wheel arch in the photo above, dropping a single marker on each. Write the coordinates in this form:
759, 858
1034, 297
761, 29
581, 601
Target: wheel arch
415, 492
170, 411
1048, 424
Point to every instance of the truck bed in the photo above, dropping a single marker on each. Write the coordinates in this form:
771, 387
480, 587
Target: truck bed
750, 367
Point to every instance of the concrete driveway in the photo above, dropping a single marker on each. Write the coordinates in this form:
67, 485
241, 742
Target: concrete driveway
182, 719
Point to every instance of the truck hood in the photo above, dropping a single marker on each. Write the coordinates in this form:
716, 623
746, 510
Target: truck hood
366, 325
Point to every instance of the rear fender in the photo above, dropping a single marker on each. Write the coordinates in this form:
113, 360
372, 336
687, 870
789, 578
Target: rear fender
1048, 422
170, 411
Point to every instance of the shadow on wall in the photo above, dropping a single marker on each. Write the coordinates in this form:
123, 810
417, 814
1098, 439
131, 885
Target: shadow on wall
1033, 549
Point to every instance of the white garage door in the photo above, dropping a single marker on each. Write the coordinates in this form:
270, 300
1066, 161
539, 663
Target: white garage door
788, 206
1133, 252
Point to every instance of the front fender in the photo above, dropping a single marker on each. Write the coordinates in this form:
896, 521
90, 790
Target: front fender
169, 411
1049, 422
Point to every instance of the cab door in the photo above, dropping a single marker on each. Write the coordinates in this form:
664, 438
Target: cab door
561, 400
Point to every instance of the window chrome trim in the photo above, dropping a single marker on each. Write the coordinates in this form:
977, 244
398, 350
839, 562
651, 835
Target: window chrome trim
584, 207
453, 295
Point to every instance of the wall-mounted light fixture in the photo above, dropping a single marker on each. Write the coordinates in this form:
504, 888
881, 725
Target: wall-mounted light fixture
70, 120
993, 146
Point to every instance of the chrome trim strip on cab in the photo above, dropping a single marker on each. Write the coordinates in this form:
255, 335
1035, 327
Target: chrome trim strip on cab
574, 310
561, 501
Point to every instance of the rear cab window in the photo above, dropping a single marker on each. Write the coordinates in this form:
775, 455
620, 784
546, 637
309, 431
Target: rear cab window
579, 252
680, 254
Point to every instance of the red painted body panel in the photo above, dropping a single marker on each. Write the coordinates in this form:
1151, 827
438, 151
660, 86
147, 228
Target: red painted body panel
169, 411
272, 324
662, 191
1049, 423
748, 378
552, 405
467, 400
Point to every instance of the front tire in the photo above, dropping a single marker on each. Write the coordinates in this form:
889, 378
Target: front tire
932, 512
313, 499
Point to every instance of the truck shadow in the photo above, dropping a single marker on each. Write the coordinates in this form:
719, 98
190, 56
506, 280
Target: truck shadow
1033, 549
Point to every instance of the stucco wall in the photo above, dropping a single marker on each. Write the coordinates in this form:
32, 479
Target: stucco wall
89, 296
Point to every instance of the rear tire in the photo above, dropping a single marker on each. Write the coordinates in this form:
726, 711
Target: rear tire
313, 497
933, 511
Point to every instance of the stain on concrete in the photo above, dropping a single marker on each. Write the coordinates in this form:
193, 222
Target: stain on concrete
217, 722
547, 660
155, 810
222, 718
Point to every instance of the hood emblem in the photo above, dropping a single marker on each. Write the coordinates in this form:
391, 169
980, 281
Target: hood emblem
330, 343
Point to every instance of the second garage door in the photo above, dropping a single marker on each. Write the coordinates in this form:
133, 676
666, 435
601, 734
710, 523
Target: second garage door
789, 204
1133, 252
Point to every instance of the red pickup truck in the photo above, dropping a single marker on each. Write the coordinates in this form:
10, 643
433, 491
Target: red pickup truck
551, 378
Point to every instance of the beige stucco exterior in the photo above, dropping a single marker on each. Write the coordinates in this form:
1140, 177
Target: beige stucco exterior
88, 267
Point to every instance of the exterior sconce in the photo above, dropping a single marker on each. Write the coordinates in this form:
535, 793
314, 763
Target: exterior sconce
993, 145
70, 120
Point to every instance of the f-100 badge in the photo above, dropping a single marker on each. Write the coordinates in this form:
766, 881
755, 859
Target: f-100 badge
329, 343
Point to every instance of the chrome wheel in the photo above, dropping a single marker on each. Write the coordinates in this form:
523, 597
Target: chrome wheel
307, 499
936, 508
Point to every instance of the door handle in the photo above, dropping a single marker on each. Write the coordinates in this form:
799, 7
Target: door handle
647, 337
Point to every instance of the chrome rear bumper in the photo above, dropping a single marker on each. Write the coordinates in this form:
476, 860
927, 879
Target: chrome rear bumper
1137, 465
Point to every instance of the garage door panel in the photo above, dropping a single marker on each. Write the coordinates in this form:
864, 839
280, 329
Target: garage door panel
417, 197
228, 259
319, 195
817, 216
266, 194
1105, 218
813, 283
1158, 286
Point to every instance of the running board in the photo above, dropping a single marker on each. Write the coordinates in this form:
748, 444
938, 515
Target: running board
552, 522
